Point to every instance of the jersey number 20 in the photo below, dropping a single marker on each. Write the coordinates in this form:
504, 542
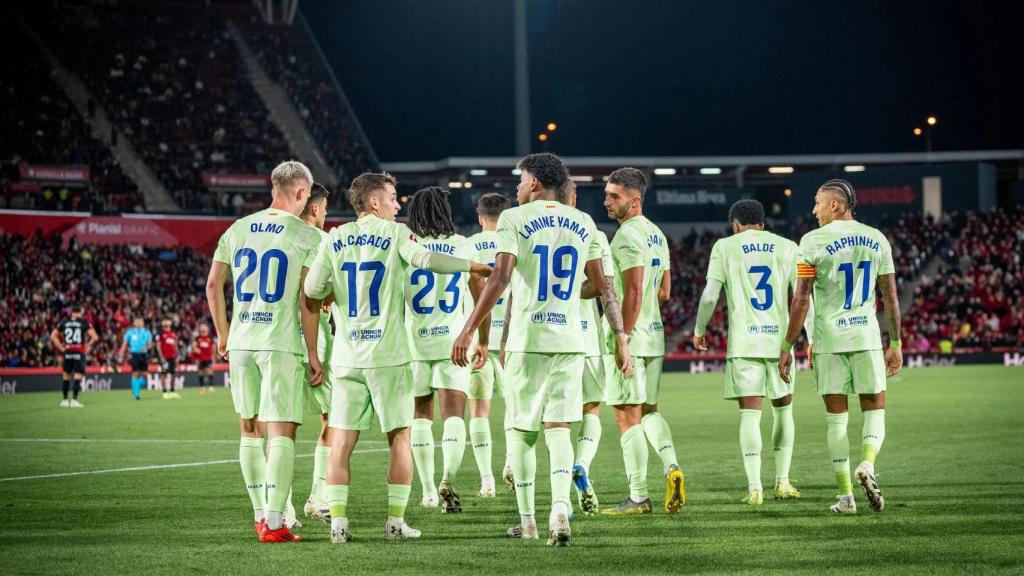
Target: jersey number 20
250, 258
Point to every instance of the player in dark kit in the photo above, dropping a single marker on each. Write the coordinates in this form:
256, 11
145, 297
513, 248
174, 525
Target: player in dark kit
204, 346
69, 339
168, 342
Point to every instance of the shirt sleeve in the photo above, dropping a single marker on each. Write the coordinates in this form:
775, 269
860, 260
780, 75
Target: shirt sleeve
805, 263
318, 279
222, 254
594, 251
506, 231
313, 249
630, 252
886, 266
716, 268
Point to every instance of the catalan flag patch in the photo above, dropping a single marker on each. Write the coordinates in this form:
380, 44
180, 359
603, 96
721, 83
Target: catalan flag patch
804, 270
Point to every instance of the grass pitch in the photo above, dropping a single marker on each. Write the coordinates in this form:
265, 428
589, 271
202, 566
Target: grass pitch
951, 470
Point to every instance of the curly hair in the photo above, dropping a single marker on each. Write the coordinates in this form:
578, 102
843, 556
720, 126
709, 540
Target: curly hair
546, 168
747, 212
430, 215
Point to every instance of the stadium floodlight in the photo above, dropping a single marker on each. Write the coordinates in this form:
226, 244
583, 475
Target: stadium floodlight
455, 184
582, 178
932, 120
711, 171
787, 192
467, 184
516, 171
665, 171
780, 169
853, 168
478, 172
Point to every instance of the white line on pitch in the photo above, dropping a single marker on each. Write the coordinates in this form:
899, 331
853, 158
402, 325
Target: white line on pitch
157, 467
153, 440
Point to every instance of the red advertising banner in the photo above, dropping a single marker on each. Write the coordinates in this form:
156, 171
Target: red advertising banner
240, 181
69, 174
116, 230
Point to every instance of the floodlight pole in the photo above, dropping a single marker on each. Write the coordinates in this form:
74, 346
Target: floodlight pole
522, 81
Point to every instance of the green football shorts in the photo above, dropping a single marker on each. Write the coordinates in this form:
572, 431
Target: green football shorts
594, 379
486, 382
320, 396
755, 377
640, 388
430, 375
359, 393
269, 384
543, 388
850, 372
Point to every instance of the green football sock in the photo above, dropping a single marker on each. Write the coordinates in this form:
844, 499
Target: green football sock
422, 437
453, 447
783, 432
337, 499
660, 436
320, 456
634, 456
480, 435
254, 472
398, 499
524, 468
559, 442
874, 434
839, 450
280, 467
750, 445
588, 440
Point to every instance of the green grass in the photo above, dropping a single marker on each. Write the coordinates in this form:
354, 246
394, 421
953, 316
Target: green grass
951, 469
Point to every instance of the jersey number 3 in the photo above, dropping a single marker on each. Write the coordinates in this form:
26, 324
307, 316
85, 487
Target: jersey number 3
763, 286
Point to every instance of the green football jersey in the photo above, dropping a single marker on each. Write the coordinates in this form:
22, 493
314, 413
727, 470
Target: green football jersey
485, 248
591, 324
266, 252
552, 243
324, 339
363, 263
845, 258
435, 304
757, 269
639, 242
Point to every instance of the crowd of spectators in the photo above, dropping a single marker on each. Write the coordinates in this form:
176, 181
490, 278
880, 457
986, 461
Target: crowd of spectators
40, 281
42, 127
292, 60
174, 83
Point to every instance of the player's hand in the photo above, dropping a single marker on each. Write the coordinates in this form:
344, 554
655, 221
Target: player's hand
785, 363
222, 348
893, 361
480, 269
460, 349
316, 371
698, 343
328, 301
623, 359
810, 356
479, 356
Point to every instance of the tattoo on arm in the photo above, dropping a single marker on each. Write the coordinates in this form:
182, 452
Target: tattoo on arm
891, 304
610, 302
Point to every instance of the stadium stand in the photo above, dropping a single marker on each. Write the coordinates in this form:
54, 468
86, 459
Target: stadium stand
42, 127
173, 82
291, 58
41, 281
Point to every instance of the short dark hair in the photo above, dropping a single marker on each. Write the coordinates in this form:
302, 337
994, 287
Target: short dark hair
843, 189
546, 168
747, 212
629, 178
430, 215
76, 309
491, 205
365, 185
317, 192
568, 188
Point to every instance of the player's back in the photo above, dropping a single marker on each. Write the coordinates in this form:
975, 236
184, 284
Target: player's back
436, 303
757, 269
325, 339
552, 243
639, 242
368, 277
591, 324
266, 252
484, 246
845, 258
74, 330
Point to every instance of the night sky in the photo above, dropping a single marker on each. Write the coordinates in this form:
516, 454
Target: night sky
432, 79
